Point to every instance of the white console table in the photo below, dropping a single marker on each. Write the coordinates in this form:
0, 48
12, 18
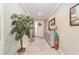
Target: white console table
49, 38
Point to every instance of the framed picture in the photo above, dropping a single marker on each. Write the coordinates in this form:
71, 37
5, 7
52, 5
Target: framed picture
74, 15
51, 24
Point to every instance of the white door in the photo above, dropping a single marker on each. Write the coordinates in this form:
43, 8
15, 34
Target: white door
39, 28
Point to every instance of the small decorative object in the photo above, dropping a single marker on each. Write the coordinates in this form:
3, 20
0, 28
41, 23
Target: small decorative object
74, 15
21, 25
51, 24
39, 24
56, 39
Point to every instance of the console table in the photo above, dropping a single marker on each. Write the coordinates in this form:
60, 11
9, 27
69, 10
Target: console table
49, 38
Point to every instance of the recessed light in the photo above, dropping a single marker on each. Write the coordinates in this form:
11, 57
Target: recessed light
39, 14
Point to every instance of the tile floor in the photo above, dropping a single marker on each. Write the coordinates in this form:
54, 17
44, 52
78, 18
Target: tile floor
39, 47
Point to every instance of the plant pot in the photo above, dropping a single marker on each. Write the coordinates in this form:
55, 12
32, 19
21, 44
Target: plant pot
21, 50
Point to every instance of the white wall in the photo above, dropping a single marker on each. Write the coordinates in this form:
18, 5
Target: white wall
1, 30
69, 36
11, 45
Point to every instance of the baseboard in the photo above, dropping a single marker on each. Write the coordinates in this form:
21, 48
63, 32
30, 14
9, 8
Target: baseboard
61, 52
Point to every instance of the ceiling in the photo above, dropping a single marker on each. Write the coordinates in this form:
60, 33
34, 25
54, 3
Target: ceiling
40, 11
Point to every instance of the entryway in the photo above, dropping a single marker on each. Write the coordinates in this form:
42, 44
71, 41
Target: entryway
39, 29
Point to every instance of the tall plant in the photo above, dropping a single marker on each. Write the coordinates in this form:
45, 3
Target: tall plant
21, 25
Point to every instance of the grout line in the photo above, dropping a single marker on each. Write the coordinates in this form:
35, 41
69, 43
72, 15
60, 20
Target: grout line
61, 52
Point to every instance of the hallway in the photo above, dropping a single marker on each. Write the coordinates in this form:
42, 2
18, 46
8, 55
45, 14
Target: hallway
39, 46
44, 18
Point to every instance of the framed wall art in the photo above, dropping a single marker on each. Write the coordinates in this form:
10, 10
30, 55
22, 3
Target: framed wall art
51, 24
74, 15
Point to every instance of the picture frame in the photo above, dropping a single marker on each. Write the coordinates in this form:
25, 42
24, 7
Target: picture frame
51, 24
74, 15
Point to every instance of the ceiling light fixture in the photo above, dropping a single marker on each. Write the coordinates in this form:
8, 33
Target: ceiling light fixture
39, 14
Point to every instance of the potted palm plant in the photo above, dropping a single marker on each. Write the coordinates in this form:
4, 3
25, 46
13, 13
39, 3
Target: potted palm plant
21, 25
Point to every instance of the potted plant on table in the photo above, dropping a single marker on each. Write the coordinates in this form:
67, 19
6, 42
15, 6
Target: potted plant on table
21, 25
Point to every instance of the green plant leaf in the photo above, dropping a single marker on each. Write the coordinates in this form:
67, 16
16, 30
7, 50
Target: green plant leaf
14, 16
21, 26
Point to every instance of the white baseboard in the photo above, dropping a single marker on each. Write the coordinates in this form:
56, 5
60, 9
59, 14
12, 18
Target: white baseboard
61, 52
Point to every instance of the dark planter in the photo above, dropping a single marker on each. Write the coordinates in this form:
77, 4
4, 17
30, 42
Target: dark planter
21, 50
